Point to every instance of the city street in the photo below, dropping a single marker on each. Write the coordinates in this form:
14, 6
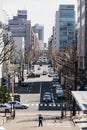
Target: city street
43, 65
31, 95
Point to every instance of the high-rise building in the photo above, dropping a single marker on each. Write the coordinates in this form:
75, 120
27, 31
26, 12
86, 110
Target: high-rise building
82, 34
21, 27
39, 29
65, 26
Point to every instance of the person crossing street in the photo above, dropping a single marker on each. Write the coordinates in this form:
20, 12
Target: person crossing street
40, 119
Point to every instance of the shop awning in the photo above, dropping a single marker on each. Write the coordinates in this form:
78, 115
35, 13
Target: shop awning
81, 99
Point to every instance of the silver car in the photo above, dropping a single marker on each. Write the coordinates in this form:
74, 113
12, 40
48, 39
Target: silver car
5, 108
18, 105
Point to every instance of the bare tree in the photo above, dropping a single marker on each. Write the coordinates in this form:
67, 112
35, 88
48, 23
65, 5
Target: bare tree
66, 60
6, 46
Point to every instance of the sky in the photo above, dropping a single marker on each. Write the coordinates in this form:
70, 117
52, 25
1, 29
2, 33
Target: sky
39, 11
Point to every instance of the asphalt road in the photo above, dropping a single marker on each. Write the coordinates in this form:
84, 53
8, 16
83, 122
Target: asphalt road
39, 86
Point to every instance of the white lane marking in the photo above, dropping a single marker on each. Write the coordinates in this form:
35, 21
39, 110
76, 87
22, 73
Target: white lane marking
40, 87
40, 90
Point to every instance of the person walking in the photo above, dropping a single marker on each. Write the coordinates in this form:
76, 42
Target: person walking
40, 119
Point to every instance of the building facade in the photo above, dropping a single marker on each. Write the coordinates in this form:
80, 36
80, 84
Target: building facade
82, 34
21, 27
1, 47
65, 26
19, 50
39, 30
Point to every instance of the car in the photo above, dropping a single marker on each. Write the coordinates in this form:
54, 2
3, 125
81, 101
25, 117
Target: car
59, 93
37, 75
48, 93
39, 68
16, 97
49, 65
44, 73
31, 75
5, 108
51, 75
18, 105
56, 79
47, 97
58, 88
40, 64
56, 84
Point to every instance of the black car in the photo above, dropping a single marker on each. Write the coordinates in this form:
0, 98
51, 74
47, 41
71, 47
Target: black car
44, 73
17, 97
37, 75
31, 75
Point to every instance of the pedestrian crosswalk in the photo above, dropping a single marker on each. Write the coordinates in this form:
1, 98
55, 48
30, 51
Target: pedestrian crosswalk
64, 124
44, 105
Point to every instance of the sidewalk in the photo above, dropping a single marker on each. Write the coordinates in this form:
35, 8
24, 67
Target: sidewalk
81, 122
30, 122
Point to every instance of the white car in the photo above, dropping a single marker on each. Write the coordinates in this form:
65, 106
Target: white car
18, 105
56, 84
5, 108
58, 89
59, 93
47, 97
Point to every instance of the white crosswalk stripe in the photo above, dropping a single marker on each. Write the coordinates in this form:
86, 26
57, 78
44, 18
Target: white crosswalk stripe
66, 125
43, 104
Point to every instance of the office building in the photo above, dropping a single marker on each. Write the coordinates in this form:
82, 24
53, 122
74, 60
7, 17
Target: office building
65, 26
39, 30
21, 27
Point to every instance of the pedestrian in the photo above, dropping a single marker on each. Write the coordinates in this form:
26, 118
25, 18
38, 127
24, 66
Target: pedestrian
40, 119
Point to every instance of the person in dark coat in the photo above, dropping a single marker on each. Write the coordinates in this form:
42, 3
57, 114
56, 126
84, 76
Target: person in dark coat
40, 119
